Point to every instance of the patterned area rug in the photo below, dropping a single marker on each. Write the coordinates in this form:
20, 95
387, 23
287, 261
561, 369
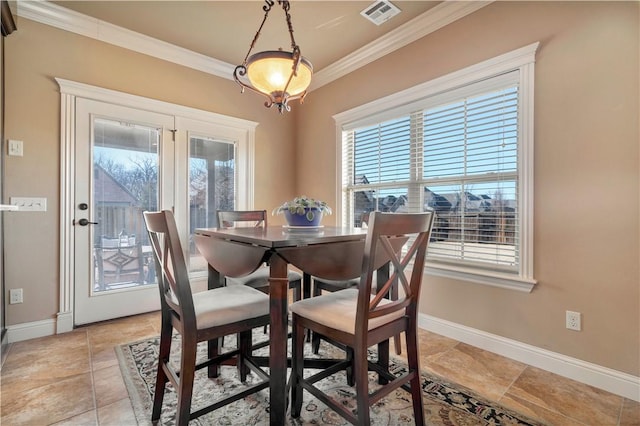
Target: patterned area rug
444, 403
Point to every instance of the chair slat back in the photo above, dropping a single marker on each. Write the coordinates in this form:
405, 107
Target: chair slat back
383, 229
171, 268
230, 218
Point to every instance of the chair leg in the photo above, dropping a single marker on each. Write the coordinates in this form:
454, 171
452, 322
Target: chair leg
413, 361
315, 337
297, 363
396, 338
306, 293
350, 377
187, 376
306, 285
297, 290
362, 385
315, 342
397, 344
244, 346
383, 359
161, 377
214, 346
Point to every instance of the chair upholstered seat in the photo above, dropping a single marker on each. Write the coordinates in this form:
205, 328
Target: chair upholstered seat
338, 311
260, 278
226, 305
321, 283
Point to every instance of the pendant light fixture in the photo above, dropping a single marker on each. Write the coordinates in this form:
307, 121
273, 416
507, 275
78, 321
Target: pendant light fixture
278, 75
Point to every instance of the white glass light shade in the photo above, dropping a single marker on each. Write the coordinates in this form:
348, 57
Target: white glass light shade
269, 72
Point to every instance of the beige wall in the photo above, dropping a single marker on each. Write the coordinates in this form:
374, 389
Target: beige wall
586, 169
37, 53
586, 164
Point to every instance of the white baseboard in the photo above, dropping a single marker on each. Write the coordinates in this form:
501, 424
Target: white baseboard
610, 380
31, 330
65, 322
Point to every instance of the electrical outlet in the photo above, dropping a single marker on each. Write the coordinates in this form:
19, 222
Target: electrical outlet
15, 296
574, 321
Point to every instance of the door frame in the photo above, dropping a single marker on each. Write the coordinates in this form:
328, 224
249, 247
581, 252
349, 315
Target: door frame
244, 131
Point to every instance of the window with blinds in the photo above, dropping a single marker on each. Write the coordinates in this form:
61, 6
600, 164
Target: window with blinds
467, 153
470, 175
456, 152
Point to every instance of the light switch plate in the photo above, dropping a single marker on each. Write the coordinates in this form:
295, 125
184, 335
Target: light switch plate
15, 148
29, 204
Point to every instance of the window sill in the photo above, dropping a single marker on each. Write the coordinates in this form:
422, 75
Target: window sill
495, 279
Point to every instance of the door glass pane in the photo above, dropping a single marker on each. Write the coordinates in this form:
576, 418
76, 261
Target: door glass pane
125, 183
211, 188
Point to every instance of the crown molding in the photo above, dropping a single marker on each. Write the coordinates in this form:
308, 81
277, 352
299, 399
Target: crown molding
433, 19
56, 16
48, 13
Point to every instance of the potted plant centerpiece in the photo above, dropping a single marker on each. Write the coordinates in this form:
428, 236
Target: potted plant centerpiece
303, 211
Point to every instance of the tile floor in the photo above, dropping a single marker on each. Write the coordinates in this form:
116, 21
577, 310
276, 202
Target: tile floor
74, 379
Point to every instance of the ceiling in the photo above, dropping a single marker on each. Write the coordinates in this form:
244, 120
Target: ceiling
326, 31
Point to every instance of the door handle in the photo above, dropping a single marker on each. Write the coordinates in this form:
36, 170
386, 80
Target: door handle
84, 222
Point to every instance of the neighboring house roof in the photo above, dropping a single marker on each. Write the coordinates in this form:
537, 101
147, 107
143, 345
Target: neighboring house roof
108, 190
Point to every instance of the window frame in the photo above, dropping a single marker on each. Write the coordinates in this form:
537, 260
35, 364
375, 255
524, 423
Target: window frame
522, 61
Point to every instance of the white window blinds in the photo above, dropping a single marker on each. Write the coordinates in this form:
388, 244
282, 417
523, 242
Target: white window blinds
470, 175
456, 153
382, 152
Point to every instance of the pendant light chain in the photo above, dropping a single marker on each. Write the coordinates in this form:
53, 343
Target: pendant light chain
294, 47
268, 79
267, 9
286, 6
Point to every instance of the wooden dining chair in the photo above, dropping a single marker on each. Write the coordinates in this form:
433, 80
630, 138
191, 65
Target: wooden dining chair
258, 279
199, 317
320, 285
358, 319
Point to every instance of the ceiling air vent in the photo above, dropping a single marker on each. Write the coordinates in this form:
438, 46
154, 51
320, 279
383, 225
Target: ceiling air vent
380, 11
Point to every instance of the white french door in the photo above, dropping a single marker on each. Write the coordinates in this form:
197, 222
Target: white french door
124, 165
121, 155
